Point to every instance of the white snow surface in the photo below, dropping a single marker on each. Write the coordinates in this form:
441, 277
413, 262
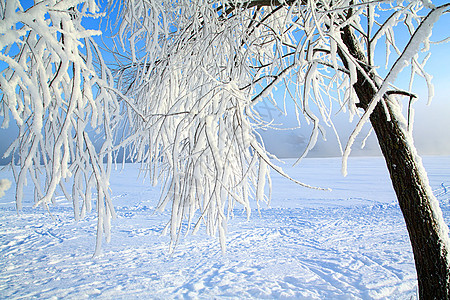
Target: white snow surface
350, 243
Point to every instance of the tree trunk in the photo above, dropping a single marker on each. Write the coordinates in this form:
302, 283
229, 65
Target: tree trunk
420, 208
427, 230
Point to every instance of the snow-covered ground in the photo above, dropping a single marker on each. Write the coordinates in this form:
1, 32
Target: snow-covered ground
350, 243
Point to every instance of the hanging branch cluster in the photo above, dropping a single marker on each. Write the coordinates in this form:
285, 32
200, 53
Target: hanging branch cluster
192, 130
207, 67
56, 87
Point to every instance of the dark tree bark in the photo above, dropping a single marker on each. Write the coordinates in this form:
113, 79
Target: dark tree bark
414, 194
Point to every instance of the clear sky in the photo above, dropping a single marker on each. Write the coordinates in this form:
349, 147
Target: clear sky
431, 126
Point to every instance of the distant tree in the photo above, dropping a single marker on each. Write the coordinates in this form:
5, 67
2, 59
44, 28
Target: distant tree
188, 75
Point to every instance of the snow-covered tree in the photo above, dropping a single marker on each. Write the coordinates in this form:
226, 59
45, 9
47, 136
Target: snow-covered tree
211, 62
187, 78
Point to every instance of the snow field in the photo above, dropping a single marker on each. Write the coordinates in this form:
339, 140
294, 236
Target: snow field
350, 243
